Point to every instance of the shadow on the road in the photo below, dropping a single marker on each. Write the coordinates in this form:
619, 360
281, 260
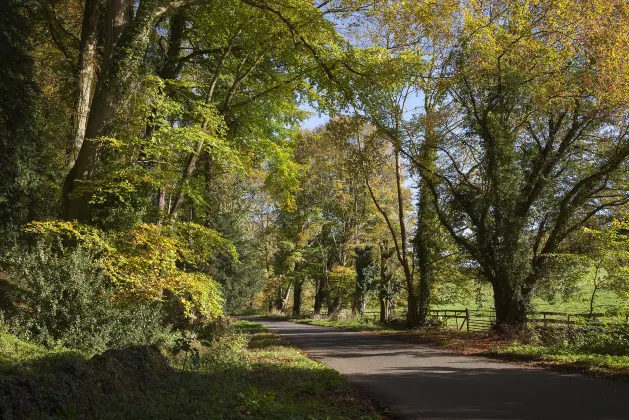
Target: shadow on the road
427, 383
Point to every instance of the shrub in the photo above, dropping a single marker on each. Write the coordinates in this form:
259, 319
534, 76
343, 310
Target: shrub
62, 298
226, 351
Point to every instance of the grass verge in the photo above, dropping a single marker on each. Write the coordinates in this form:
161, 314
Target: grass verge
509, 349
249, 373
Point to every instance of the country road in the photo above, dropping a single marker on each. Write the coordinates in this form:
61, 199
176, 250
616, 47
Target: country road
420, 382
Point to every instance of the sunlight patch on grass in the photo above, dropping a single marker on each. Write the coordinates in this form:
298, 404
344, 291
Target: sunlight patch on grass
566, 359
348, 325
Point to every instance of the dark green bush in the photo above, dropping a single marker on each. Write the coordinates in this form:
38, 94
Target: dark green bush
61, 298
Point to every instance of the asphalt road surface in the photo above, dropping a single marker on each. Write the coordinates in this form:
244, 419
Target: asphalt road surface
420, 382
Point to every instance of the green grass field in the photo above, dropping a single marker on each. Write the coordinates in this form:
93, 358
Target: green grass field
605, 301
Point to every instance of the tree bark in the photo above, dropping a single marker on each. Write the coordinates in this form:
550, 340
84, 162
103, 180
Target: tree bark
187, 173
334, 304
86, 72
596, 286
320, 295
297, 299
385, 292
412, 316
125, 44
428, 224
511, 306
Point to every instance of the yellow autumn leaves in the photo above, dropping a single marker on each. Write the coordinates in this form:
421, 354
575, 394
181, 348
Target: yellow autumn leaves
150, 262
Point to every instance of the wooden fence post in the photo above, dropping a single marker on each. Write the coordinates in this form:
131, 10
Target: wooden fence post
467, 317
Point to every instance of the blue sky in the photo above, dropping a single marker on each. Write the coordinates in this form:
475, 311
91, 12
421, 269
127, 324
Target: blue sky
315, 121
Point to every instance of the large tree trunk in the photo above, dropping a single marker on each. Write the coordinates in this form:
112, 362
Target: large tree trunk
125, 44
386, 276
412, 315
282, 297
428, 225
320, 294
86, 72
297, 299
424, 248
334, 305
511, 306
384, 316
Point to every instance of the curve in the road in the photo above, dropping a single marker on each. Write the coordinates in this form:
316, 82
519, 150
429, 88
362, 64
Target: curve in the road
420, 382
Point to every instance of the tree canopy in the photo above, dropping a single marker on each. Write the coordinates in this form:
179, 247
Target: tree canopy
469, 143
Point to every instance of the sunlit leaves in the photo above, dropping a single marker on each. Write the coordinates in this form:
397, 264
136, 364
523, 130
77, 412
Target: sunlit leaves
611, 253
149, 260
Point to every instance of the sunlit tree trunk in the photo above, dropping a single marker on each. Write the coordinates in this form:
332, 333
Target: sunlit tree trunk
385, 292
126, 40
86, 73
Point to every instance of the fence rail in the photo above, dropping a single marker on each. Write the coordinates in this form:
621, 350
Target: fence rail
484, 320
465, 319
479, 320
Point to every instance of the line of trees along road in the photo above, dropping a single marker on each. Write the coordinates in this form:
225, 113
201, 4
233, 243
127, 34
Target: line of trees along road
471, 142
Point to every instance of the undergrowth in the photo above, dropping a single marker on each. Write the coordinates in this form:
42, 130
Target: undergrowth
246, 372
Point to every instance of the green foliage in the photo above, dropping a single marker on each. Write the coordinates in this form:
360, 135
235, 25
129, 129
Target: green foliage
147, 261
29, 157
227, 378
354, 325
63, 299
226, 349
611, 254
596, 339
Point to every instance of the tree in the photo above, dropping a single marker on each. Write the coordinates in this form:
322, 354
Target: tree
539, 142
239, 64
608, 257
386, 288
379, 165
366, 271
28, 156
403, 78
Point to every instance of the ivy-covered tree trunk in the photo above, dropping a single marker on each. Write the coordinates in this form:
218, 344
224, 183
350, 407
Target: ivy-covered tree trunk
428, 225
511, 305
126, 40
364, 277
334, 305
412, 314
